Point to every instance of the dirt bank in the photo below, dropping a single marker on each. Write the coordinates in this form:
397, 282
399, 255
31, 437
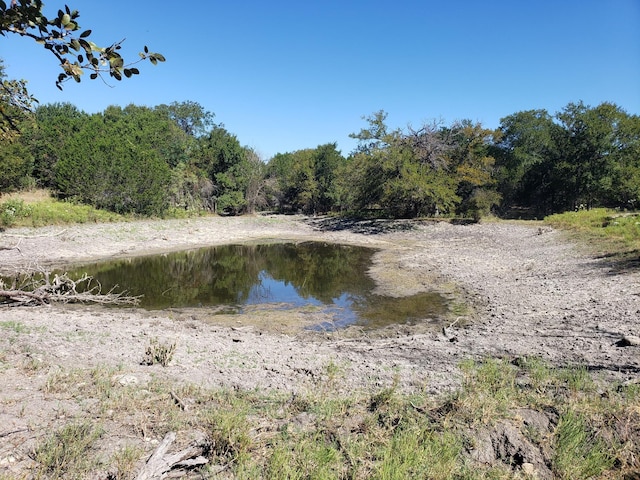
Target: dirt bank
532, 292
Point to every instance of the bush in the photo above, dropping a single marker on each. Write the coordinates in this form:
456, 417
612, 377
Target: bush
13, 210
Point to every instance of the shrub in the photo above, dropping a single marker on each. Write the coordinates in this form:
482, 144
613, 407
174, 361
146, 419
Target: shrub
13, 210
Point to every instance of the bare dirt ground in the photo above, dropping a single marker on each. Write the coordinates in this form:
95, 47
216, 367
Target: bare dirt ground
531, 292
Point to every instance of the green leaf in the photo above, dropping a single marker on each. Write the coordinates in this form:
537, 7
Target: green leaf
134, 71
80, 58
85, 45
153, 60
85, 34
160, 57
146, 50
93, 76
116, 62
75, 44
65, 20
127, 73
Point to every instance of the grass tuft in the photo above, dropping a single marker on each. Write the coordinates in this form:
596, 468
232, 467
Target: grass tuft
64, 454
579, 452
158, 353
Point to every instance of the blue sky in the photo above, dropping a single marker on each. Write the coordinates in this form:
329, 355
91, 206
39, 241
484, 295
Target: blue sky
287, 75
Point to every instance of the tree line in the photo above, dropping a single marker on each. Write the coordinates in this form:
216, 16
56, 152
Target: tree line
149, 160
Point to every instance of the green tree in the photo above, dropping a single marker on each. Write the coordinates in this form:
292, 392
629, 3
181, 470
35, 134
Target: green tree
190, 116
16, 164
220, 155
107, 166
307, 180
591, 148
16, 161
625, 187
473, 165
15, 104
581, 157
48, 136
327, 160
257, 187
524, 152
405, 173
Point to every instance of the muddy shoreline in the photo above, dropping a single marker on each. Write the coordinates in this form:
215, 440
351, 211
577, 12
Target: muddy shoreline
531, 291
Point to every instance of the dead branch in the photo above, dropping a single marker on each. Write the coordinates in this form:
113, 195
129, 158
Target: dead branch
159, 463
15, 247
39, 289
179, 401
12, 432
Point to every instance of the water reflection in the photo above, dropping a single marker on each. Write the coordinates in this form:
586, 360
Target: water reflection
329, 276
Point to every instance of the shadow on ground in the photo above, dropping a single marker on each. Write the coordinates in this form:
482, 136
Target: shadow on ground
621, 263
364, 226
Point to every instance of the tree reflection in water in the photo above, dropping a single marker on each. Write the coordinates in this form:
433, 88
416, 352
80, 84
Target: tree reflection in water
310, 273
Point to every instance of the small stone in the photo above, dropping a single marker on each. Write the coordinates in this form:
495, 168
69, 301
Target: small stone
528, 468
126, 380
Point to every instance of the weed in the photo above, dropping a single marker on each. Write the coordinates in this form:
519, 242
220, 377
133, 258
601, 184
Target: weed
577, 379
325, 434
579, 453
16, 327
158, 353
418, 453
489, 391
229, 432
64, 453
124, 461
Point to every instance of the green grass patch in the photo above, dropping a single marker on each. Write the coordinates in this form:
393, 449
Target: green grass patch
15, 327
38, 209
18, 213
605, 231
579, 452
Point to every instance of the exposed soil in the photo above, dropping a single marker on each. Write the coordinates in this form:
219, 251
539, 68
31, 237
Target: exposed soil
528, 291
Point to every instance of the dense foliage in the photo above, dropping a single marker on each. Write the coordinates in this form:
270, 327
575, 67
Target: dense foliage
148, 160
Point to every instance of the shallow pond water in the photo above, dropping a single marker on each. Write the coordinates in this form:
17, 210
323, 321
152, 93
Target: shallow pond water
331, 277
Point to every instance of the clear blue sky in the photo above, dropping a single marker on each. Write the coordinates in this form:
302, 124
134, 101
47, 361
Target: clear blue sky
286, 75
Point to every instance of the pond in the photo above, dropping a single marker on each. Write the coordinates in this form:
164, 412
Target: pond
328, 276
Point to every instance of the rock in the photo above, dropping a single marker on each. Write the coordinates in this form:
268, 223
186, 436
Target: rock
628, 341
505, 444
528, 469
126, 380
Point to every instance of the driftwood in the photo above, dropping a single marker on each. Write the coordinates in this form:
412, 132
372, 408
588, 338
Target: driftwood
160, 462
40, 289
